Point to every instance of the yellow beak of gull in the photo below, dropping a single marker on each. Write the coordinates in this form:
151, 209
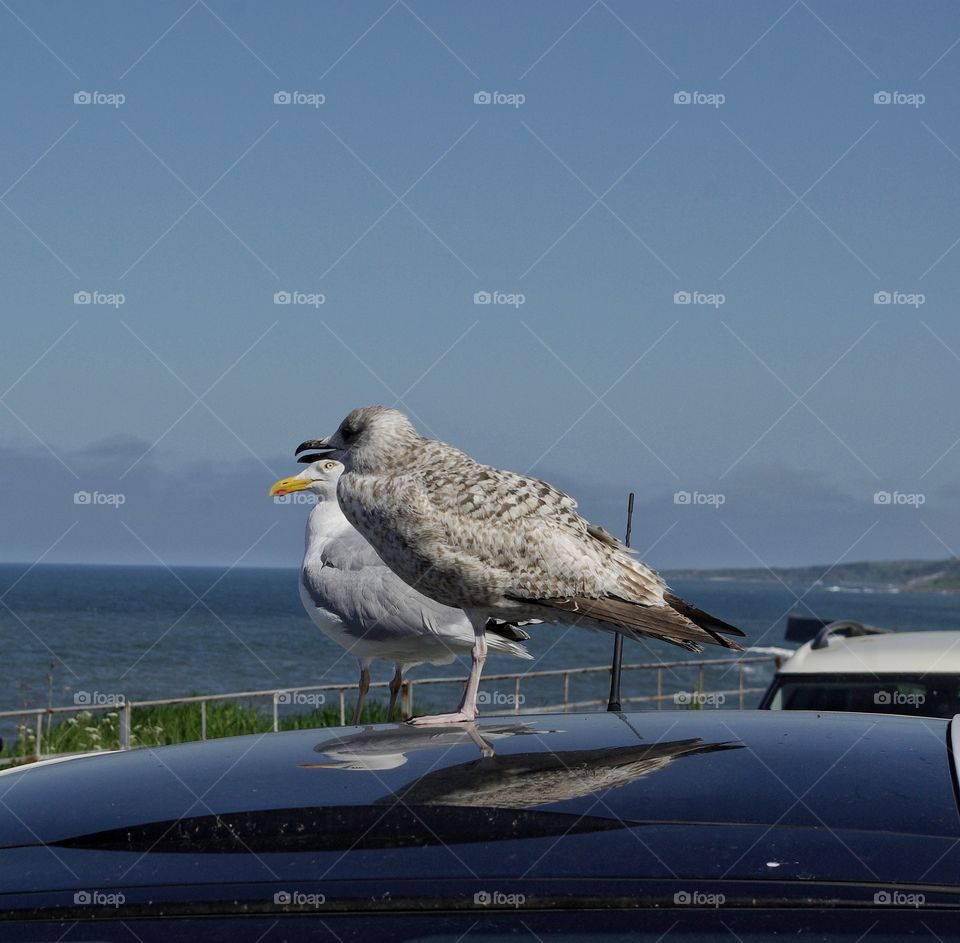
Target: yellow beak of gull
288, 485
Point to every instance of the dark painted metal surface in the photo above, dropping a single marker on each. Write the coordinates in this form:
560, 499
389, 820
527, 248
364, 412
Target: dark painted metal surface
570, 810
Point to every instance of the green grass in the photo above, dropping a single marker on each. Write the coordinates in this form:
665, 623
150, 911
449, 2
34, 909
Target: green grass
167, 724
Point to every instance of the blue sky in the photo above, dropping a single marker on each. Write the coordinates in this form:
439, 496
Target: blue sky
780, 199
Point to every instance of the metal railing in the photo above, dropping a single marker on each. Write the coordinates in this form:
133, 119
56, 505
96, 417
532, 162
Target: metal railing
316, 696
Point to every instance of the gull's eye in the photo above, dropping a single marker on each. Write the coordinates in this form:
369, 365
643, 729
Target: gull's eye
330, 465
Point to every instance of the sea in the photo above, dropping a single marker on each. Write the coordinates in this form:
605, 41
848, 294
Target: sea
98, 632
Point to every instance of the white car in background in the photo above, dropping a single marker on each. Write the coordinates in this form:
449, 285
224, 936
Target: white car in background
855, 667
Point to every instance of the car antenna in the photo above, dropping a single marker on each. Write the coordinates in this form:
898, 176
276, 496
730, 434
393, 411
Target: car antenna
613, 704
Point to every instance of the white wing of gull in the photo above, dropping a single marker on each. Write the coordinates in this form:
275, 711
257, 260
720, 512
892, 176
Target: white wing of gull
359, 603
497, 544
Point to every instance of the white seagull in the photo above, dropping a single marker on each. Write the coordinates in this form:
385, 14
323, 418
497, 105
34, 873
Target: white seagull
496, 544
359, 603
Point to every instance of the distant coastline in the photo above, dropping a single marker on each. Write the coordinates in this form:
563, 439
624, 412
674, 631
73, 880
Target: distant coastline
935, 576
891, 576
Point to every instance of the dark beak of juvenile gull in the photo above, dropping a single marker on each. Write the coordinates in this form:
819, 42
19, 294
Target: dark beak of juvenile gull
315, 449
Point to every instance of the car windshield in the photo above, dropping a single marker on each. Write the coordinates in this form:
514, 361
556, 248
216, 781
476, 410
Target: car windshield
924, 695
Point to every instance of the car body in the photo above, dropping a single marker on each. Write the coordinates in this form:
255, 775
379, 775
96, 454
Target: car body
570, 826
851, 667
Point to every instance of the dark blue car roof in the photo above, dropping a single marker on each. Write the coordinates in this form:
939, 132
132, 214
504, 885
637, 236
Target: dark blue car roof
692, 796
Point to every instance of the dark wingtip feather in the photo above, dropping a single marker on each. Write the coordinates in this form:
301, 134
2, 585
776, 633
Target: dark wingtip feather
507, 630
710, 624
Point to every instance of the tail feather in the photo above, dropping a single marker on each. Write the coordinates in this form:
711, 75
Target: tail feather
710, 624
510, 631
497, 643
636, 620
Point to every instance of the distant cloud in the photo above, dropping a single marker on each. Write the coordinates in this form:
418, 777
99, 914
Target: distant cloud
205, 512
217, 511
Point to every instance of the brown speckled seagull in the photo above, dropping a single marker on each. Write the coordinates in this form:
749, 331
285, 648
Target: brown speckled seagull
496, 544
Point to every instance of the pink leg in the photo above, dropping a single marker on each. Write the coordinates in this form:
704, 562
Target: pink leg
395, 685
468, 706
364, 686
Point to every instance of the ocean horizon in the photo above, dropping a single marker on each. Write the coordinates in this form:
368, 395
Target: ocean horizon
153, 632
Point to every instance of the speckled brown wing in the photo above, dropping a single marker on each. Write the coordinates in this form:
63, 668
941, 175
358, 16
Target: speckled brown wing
474, 536
482, 493
496, 533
